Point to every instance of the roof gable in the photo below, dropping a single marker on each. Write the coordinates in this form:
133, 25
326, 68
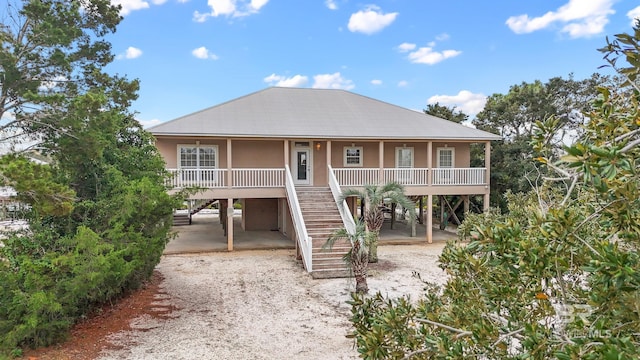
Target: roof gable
315, 113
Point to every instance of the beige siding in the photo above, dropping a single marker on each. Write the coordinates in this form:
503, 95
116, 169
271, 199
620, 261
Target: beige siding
260, 214
257, 154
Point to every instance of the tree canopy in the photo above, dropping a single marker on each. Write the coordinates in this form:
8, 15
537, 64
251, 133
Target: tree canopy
556, 277
99, 213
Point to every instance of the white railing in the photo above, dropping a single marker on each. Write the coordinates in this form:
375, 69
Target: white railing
206, 178
251, 178
459, 176
407, 176
304, 240
357, 176
411, 176
347, 219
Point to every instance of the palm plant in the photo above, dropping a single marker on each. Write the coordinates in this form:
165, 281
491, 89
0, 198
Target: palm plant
357, 258
373, 197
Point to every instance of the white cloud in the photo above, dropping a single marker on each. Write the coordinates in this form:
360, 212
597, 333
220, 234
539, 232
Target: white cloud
403, 83
370, 20
294, 81
233, 8
578, 18
203, 53
149, 123
131, 5
426, 55
376, 82
634, 15
465, 101
331, 4
130, 53
406, 47
442, 37
50, 84
332, 81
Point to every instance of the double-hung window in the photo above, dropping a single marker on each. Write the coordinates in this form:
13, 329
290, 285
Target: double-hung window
197, 163
352, 156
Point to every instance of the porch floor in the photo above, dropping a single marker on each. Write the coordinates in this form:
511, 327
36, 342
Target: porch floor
205, 234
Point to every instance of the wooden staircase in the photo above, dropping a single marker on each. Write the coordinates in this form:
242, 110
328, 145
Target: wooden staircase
321, 216
181, 219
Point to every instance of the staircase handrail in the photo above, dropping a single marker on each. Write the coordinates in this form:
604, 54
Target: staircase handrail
347, 219
305, 241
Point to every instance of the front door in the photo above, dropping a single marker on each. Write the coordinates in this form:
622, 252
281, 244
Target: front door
301, 167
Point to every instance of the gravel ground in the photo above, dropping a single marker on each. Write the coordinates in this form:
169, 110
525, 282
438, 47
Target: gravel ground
262, 305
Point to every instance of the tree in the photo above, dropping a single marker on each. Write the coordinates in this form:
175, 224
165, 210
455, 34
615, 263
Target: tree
100, 213
374, 197
556, 277
357, 258
514, 116
444, 112
52, 50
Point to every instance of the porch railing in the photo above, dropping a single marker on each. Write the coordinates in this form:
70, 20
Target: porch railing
347, 219
249, 178
275, 177
206, 178
304, 240
454, 176
217, 178
410, 176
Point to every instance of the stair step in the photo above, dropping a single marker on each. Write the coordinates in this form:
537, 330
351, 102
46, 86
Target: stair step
330, 274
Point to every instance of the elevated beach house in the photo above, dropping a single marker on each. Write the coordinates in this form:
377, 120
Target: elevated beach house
286, 154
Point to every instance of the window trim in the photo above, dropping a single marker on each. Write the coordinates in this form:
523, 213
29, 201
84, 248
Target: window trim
453, 157
198, 147
360, 157
413, 156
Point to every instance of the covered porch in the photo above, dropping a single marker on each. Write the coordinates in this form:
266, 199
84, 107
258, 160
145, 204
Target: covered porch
206, 235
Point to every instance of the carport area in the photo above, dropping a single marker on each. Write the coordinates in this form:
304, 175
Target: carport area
205, 234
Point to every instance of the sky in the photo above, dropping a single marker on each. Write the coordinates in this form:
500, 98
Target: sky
193, 54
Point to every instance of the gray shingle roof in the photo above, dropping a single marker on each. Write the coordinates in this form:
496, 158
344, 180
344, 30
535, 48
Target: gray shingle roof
318, 114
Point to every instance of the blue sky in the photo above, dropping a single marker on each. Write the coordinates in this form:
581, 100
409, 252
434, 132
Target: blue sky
193, 54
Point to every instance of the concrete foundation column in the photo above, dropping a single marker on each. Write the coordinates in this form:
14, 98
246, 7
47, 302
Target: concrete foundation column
230, 224
429, 226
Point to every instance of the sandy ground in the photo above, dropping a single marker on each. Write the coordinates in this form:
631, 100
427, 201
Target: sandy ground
262, 305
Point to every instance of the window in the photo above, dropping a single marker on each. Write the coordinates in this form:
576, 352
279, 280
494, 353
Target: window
197, 164
446, 157
353, 156
197, 156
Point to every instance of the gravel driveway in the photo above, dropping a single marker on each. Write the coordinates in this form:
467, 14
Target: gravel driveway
262, 305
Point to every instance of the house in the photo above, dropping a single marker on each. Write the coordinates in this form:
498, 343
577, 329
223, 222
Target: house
286, 154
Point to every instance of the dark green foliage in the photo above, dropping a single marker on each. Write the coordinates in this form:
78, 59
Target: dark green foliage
557, 276
100, 214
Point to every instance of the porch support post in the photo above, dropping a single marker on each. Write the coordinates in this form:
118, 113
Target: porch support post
393, 215
487, 176
421, 210
430, 162
381, 162
429, 225
230, 224
229, 166
286, 152
465, 198
328, 158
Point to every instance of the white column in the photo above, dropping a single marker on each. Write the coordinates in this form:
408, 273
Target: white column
487, 175
328, 158
230, 224
381, 162
229, 165
429, 223
430, 162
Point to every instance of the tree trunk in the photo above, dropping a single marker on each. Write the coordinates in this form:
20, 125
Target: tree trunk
359, 263
373, 250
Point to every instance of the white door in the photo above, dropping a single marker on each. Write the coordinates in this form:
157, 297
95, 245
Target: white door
301, 166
